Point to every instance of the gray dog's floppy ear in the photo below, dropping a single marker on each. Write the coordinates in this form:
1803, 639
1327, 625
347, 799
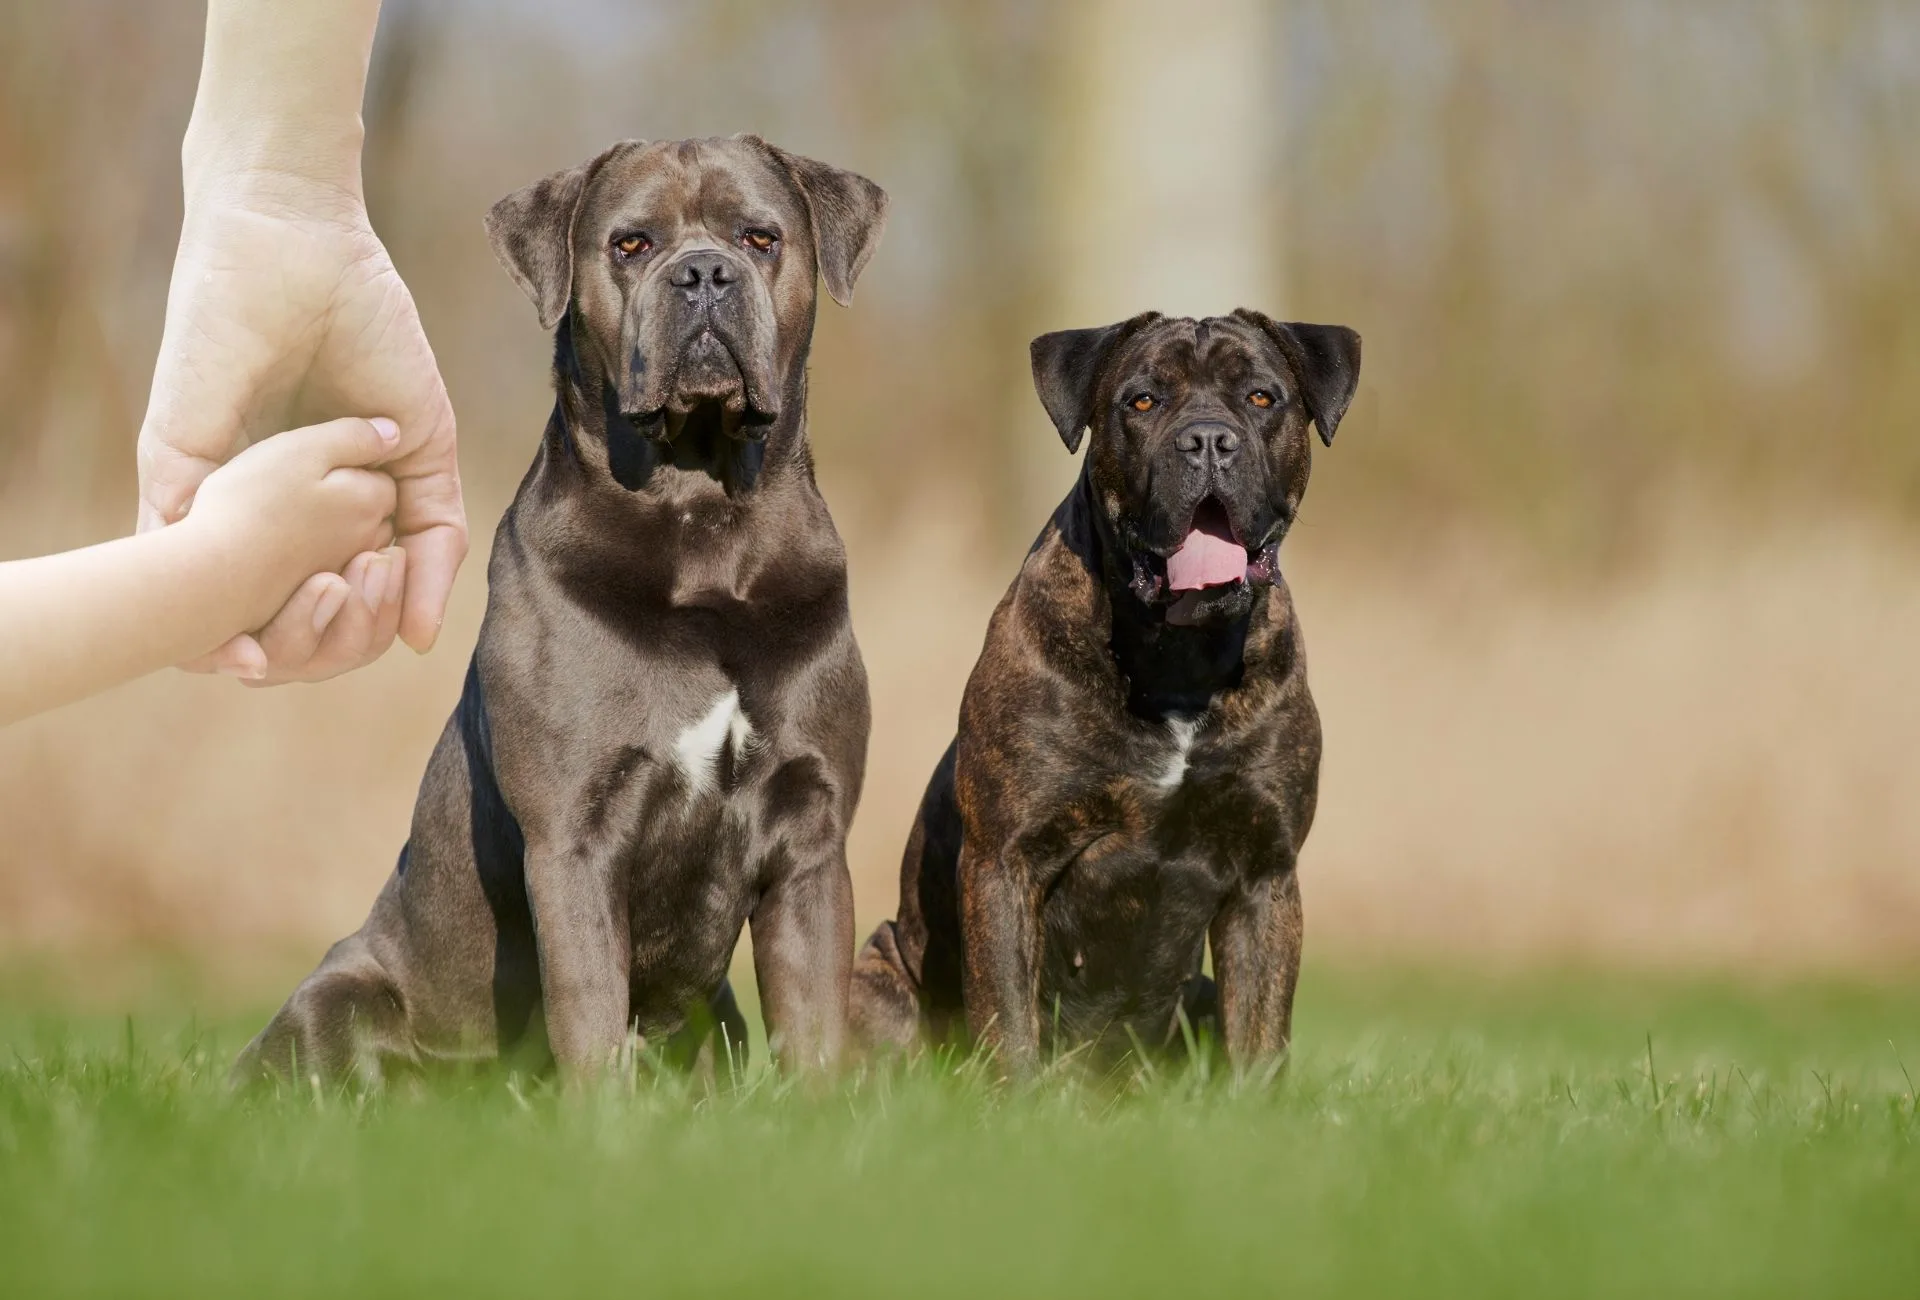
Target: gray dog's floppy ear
1065, 365
1328, 360
531, 231
848, 213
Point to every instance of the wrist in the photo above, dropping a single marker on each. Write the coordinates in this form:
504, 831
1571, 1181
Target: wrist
239, 595
265, 181
233, 149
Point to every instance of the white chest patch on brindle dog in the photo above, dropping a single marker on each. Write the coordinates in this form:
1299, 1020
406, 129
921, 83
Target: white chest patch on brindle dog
1173, 769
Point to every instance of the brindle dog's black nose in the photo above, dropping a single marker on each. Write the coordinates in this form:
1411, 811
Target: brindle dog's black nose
708, 274
1204, 443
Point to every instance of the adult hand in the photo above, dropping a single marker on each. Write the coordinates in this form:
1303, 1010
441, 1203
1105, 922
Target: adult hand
286, 310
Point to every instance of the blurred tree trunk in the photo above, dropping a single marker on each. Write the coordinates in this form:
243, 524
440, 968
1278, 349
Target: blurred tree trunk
1160, 183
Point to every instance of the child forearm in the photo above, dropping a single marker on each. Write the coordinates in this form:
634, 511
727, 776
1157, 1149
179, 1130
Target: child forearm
82, 621
294, 505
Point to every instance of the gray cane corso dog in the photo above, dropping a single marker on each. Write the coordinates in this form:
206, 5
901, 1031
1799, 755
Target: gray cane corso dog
664, 726
1138, 755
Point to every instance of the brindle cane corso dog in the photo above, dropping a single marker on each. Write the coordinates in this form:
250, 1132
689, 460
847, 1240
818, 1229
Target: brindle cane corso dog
1138, 755
664, 726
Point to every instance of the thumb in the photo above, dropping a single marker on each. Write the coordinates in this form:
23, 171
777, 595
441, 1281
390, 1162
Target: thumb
168, 480
340, 444
189, 431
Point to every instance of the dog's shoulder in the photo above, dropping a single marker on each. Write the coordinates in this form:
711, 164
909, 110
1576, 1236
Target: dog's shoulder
1044, 630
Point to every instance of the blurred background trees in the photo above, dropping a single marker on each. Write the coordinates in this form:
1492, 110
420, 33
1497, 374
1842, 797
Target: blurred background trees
1595, 249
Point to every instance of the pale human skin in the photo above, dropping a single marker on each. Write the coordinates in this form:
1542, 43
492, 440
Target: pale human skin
285, 309
78, 622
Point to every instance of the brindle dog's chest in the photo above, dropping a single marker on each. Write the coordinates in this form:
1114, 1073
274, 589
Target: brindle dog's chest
1168, 826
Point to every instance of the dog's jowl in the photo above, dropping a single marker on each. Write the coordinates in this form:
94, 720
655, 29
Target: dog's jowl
664, 726
1138, 756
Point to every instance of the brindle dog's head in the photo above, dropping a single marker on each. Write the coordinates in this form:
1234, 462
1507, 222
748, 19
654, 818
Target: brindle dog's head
1200, 446
687, 269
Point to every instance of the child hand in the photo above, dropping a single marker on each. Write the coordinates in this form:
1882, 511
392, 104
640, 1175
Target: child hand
296, 505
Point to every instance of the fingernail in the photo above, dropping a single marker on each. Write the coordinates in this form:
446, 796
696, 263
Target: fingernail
374, 585
396, 557
244, 672
329, 604
387, 429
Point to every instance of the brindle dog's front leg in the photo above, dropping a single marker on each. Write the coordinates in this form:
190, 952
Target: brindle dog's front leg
1256, 941
1000, 974
580, 925
803, 959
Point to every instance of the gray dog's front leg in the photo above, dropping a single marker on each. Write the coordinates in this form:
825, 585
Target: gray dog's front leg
581, 929
803, 959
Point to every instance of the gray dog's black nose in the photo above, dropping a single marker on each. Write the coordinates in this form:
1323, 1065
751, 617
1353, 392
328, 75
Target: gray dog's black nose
709, 273
1201, 443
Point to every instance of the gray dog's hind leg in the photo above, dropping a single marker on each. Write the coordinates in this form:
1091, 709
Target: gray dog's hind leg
884, 1007
729, 1038
345, 1021
713, 1040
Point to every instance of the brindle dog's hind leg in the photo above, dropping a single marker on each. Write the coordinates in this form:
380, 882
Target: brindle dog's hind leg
1199, 1035
346, 1020
884, 1010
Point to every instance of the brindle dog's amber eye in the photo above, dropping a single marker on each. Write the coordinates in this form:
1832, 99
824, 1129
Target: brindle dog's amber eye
1143, 402
1261, 398
760, 241
632, 245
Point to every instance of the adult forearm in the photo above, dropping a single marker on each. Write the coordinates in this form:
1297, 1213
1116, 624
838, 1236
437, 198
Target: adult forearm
82, 621
280, 89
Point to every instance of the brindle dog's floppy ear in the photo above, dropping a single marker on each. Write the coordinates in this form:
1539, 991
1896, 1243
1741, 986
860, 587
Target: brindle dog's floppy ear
1065, 365
848, 212
531, 231
1328, 360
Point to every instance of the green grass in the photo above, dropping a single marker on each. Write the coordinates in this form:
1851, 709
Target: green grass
1433, 1136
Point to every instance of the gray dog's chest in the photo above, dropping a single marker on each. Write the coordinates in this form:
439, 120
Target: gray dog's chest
676, 776
656, 772
713, 748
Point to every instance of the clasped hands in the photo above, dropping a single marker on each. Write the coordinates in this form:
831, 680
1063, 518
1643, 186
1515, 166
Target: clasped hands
285, 310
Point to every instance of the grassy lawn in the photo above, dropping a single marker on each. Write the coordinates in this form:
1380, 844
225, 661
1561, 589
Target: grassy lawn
1434, 1136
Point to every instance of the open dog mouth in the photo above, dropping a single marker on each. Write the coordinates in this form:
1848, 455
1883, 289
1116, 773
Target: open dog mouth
1210, 555
1208, 571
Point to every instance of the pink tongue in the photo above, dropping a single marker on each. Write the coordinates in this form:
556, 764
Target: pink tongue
1208, 558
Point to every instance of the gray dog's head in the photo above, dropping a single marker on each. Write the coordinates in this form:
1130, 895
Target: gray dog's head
1200, 445
689, 267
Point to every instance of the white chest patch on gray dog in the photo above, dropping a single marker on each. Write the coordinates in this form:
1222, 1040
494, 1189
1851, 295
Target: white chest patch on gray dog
1174, 770
697, 749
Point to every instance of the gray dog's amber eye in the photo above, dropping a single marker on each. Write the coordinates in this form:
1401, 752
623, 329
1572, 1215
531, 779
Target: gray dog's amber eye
632, 245
1142, 402
1261, 398
760, 241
